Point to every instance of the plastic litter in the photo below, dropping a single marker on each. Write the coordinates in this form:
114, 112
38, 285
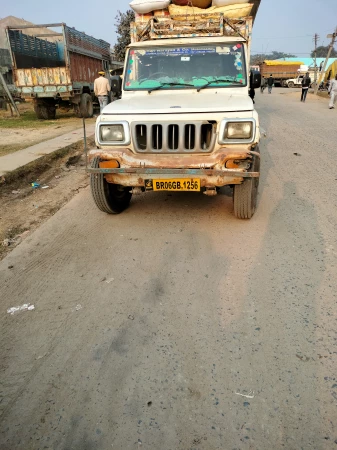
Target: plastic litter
250, 394
17, 309
7, 242
45, 187
35, 185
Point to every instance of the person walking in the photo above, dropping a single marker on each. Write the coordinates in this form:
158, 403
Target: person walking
263, 84
306, 82
270, 83
333, 92
102, 88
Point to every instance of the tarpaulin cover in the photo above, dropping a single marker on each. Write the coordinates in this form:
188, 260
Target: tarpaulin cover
283, 63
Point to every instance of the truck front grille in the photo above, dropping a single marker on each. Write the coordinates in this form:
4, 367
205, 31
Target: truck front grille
181, 137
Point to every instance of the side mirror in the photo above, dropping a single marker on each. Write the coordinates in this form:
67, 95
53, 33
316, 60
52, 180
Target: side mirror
255, 80
116, 84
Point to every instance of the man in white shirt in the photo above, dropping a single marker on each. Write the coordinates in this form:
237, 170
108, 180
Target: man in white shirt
333, 92
102, 89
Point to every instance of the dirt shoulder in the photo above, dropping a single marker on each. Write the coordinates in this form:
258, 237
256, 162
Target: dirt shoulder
17, 133
23, 208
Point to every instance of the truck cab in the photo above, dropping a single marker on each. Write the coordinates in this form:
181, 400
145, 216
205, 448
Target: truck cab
185, 121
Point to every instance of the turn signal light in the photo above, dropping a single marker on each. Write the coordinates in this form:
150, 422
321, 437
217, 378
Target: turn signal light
113, 164
238, 164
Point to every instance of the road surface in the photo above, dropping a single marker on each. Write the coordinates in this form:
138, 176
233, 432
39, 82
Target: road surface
175, 326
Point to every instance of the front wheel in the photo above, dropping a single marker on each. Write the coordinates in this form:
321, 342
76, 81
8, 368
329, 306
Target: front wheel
291, 84
109, 198
245, 195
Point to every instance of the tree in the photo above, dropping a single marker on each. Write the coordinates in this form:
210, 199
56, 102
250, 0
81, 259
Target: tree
259, 58
122, 25
322, 52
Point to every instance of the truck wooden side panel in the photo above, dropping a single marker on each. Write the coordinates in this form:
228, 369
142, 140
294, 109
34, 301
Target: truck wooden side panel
83, 68
280, 72
42, 77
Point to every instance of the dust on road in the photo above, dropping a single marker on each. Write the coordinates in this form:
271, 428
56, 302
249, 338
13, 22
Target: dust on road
177, 326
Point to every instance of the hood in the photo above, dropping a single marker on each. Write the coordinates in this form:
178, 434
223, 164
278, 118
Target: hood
191, 102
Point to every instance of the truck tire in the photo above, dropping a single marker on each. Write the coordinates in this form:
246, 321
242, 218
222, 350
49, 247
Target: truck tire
45, 110
109, 198
291, 84
86, 106
245, 195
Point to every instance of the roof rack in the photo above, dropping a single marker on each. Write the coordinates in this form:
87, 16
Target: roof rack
190, 27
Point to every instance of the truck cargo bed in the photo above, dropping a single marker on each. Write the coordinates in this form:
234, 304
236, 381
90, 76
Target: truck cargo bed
57, 64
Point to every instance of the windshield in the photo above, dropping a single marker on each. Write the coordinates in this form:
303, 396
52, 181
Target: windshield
186, 67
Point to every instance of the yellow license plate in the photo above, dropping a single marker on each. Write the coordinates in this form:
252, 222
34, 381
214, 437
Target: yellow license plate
176, 185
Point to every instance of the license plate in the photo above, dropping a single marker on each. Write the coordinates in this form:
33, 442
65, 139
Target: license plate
173, 185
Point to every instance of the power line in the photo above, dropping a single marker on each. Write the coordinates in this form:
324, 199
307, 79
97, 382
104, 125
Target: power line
284, 37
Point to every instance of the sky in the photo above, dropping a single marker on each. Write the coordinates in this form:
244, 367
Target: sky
285, 25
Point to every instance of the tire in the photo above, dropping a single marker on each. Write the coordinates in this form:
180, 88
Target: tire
109, 198
245, 195
291, 85
45, 111
86, 106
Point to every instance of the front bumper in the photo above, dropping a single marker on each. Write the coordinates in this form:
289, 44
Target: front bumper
210, 169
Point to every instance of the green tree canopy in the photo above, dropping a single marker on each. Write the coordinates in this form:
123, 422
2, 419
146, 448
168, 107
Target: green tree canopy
322, 52
259, 58
122, 25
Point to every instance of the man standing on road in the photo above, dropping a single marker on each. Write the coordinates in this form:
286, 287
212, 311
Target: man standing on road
333, 92
270, 83
263, 84
102, 89
306, 82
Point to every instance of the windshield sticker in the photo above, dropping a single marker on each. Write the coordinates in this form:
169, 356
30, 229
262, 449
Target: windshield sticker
221, 50
185, 58
237, 47
181, 51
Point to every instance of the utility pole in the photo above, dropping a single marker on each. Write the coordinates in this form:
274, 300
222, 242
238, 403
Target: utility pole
333, 37
316, 38
9, 95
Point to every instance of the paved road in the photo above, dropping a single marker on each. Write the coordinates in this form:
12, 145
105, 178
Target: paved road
150, 327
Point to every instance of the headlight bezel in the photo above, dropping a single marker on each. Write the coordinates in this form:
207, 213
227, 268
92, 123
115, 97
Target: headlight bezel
223, 127
126, 129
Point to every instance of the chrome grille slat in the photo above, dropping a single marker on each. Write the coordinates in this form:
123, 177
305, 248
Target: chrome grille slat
177, 137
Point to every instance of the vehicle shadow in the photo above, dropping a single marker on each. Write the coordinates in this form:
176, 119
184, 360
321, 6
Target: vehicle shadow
280, 328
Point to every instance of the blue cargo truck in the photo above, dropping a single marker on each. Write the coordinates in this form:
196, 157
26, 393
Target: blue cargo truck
55, 65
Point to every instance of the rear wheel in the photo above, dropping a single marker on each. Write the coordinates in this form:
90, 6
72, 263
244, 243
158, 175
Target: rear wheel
109, 198
45, 110
245, 195
86, 107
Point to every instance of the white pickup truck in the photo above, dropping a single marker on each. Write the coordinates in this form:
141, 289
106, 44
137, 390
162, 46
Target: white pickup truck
297, 82
185, 121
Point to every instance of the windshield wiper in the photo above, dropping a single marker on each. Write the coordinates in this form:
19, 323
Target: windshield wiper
168, 84
218, 80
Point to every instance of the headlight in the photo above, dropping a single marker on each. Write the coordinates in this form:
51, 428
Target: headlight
238, 130
112, 133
